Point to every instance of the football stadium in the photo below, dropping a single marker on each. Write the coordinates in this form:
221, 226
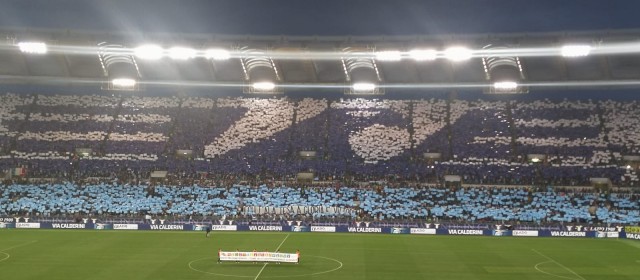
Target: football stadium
319, 140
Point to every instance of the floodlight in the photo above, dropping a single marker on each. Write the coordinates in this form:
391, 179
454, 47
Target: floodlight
123, 83
421, 55
217, 54
575, 50
363, 87
388, 56
263, 86
33, 47
628, 166
457, 53
150, 52
506, 85
181, 53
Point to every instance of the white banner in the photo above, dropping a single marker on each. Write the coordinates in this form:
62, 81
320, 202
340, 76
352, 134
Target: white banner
524, 233
224, 227
607, 234
125, 226
27, 225
258, 257
422, 231
323, 229
613, 234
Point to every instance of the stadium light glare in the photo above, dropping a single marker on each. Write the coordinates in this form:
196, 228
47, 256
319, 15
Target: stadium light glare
123, 83
506, 85
457, 53
423, 55
363, 87
388, 56
263, 86
217, 54
149, 52
575, 50
33, 47
182, 53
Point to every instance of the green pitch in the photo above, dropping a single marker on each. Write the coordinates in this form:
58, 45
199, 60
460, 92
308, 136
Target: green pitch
61, 254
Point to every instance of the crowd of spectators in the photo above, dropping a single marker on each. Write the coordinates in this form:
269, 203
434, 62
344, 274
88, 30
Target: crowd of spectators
368, 203
357, 139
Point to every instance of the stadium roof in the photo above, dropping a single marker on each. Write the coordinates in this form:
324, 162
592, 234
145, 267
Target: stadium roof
521, 40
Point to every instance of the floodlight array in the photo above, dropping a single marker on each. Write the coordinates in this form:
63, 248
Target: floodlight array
124, 83
363, 87
149, 52
33, 47
505, 85
575, 50
182, 53
155, 52
457, 54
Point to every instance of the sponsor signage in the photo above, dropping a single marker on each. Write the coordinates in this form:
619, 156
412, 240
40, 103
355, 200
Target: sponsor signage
632, 229
501, 232
592, 228
265, 228
323, 229
68, 226
300, 228
365, 229
27, 225
568, 233
399, 230
613, 234
633, 236
224, 227
465, 232
524, 233
125, 226
166, 227
101, 226
6, 220
422, 231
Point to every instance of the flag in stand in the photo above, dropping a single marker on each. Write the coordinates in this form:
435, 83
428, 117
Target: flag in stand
19, 171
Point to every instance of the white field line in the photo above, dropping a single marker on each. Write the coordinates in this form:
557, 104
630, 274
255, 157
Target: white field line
7, 256
548, 273
19, 245
265, 264
568, 269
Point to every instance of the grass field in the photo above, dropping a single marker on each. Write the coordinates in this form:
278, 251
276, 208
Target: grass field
61, 254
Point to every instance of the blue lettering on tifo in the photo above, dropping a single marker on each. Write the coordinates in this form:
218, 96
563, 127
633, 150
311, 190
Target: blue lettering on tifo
167, 227
265, 228
465, 232
568, 234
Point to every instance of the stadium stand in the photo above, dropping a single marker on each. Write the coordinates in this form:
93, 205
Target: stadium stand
483, 141
377, 204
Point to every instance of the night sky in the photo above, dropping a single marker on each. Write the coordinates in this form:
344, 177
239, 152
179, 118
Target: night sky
322, 17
